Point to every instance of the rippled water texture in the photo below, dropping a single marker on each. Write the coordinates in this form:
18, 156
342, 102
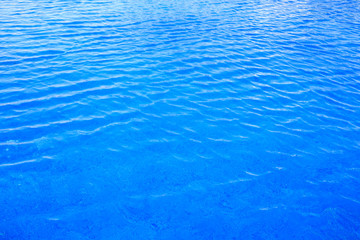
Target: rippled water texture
180, 119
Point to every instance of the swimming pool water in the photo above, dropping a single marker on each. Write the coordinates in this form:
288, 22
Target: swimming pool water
180, 119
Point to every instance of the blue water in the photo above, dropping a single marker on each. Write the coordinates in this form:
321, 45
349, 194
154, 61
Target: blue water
179, 119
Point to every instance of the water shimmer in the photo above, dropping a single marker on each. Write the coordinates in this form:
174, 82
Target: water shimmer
179, 119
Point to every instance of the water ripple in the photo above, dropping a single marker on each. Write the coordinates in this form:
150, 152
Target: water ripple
190, 119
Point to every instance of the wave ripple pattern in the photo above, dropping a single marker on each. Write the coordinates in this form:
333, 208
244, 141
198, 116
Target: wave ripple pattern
180, 119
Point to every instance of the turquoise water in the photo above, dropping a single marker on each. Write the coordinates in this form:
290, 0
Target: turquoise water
202, 119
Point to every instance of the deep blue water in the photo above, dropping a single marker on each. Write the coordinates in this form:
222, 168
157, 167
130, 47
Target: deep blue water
179, 119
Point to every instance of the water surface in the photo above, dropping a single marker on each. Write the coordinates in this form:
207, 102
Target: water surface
180, 119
